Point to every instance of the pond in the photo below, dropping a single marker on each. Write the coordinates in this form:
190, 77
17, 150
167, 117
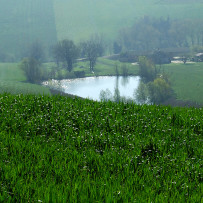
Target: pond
91, 87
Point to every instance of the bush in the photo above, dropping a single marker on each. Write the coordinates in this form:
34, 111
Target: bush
159, 90
31, 67
79, 74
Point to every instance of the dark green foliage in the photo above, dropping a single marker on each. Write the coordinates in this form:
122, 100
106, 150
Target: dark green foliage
147, 69
79, 74
57, 149
31, 67
66, 51
159, 90
117, 48
150, 33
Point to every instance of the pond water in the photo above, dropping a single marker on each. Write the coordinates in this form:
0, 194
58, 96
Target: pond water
91, 87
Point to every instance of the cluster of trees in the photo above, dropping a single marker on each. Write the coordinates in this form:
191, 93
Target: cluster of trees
65, 53
151, 33
155, 86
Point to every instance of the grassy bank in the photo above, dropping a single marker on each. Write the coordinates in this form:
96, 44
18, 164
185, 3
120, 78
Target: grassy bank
57, 149
13, 80
106, 67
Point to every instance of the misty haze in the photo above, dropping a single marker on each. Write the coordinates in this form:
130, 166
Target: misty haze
101, 100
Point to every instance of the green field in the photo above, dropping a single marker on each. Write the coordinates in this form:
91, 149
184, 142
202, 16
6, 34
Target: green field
13, 80
186, 81
58, 149
106, 67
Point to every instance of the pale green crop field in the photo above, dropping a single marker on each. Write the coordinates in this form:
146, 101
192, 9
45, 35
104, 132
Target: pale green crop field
80, 18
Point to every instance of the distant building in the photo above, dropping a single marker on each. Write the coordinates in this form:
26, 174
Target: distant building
199, 57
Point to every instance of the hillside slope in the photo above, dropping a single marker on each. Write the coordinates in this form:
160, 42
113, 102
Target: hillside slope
57, 149
23, 22
80, 18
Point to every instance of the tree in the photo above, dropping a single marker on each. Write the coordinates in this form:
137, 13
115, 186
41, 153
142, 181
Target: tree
117, 48
160, 57
37, 51
31, 67
141, 94
147, 69
66, 51
159, 90
92, 49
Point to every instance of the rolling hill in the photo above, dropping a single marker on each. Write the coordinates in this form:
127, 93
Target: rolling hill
25, 21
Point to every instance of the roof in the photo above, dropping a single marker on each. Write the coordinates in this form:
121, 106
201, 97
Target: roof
199, 54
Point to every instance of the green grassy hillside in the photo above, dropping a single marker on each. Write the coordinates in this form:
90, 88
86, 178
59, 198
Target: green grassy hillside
57, 149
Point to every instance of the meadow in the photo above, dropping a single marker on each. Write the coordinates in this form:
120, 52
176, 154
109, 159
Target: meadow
58, 149
186, 80
13, 80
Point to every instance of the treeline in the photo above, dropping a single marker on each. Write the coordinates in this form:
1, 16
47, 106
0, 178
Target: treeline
151, 33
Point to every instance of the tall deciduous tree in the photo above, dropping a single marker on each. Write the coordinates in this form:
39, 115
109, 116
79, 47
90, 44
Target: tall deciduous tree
66, 51
147, 69
92, 49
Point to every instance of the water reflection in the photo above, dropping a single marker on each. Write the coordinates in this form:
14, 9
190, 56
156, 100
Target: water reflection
92, 86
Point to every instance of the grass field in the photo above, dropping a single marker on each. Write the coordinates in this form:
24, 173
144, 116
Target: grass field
13, 80
187, 80
57, 149
106, 67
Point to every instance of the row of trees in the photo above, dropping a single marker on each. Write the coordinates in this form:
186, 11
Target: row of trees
152, 33
65, 54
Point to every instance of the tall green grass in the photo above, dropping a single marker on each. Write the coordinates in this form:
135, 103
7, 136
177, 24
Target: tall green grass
57, 149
